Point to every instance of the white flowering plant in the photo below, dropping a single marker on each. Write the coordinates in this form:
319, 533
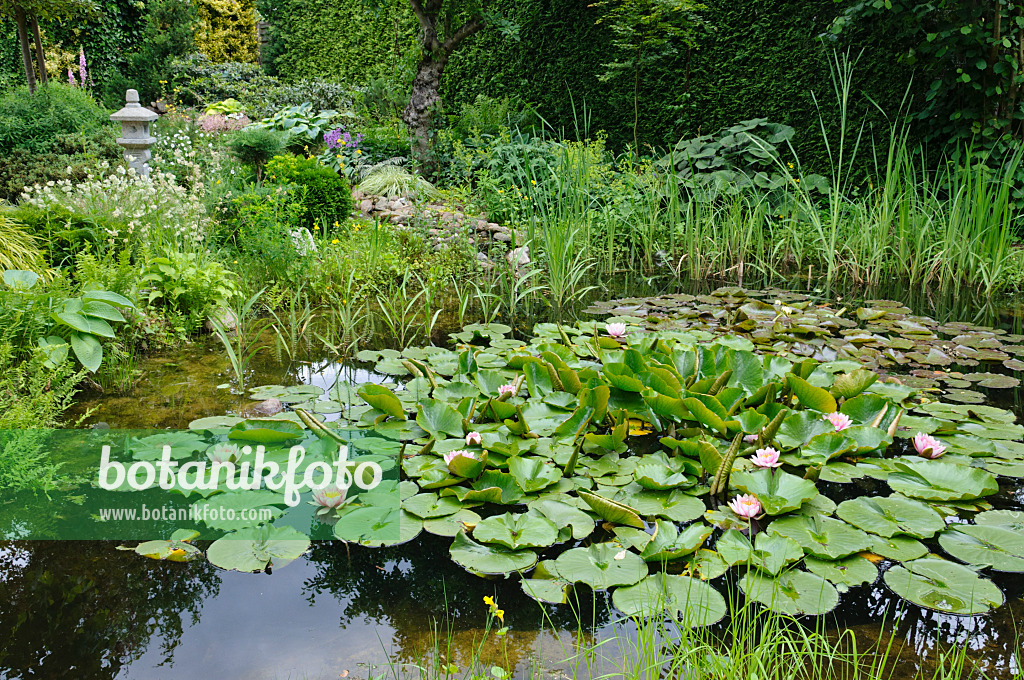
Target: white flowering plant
153, 210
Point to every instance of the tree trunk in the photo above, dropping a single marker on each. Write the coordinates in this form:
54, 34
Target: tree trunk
424, 101
40, 57
26, 54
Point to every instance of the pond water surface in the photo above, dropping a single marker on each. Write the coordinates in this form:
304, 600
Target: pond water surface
86, 610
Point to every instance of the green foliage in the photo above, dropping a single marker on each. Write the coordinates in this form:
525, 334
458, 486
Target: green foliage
38, 123
302, 125
82, 153
258, 224
227, 30
65, 233
189, 284
393, 181
226, 106
169, 32
339, 40
488, 115
254, 146
19, 248
326, 195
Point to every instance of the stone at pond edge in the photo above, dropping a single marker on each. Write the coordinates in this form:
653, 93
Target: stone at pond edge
266, 408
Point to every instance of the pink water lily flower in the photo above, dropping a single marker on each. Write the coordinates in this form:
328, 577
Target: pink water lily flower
616, 330
224, 453
474, 439
507, 389
766, 458
329, 497
840, 421
746, 506
750, 438
452, 455
928, 446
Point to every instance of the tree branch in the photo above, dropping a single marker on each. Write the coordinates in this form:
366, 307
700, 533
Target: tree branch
429, 24
467, 29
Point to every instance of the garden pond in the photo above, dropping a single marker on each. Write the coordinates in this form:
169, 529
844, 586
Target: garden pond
607, 453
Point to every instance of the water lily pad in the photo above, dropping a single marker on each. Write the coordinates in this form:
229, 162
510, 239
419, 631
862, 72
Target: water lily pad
214, 423
533, 474
256, 548
778, 491
266, 431
822, 537
899, 548
516, 531
1007, 519
670, 544
694, 602
564, 515
845, 573
943, 586
794, 592
489, 559
891, 516
932, 480
382, 533
429, 505
449, 525
674, 505
552, 591
616, 513
601, 566
1000, 548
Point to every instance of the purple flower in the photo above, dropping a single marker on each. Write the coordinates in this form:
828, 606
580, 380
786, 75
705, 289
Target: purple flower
71, 78
332, 138
81, 66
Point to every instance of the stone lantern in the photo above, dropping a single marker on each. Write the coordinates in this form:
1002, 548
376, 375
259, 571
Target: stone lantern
135, 137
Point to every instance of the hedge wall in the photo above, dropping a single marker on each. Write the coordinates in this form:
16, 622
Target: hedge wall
338, 39
755, 58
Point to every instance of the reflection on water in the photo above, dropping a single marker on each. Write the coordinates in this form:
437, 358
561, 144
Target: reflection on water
86, 610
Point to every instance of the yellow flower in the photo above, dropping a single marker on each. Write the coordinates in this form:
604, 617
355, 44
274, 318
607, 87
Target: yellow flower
500, 613
316, 227
359, 150
336, 224
334, 241
236, 261
489, 601
790, 165
533, 182
218, 181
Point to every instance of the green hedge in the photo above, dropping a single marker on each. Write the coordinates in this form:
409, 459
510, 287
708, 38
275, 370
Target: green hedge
340, 40
755, 58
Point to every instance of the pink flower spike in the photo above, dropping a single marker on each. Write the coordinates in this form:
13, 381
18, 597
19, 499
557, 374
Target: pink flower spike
766, 458
474, 439
616, 330
746, 506
928, 446
449, 457
507, 389
840, 421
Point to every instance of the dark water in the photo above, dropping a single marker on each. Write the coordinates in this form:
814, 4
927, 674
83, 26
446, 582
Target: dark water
86, 610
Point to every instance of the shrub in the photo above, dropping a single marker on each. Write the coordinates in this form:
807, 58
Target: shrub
227, 30
326, 195
189, 284
260, 223
34, 122
74, 156
255, 146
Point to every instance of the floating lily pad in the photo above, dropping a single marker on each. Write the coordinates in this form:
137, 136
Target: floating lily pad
794, 592
779, 492
891, 516
822, 537
257, 548
489, 559
516, 531
943, 586
932, 480
845, 573
694, 602
449, 525
601, 566
981, 546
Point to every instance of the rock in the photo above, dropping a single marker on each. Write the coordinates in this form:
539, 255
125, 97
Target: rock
381, 204
270, 407
503, 236
100, 426
491, 226
366, 206
225, 316
447, 217
399, 219
481, 225
482, 257
519, 257
439, 247
357, 195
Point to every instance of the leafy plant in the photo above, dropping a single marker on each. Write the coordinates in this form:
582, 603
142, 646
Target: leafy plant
326, 196
301, 125
241, 343
393, 181
255, 146
225, 107
190, 284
